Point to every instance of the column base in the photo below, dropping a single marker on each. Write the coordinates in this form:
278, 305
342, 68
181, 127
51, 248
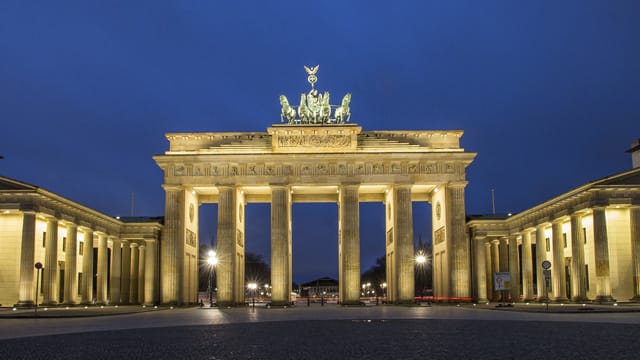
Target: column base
635, 298
543, 299
579, 299
559, 300
49, 303
25, 304
482, 300
529, 299
604, 299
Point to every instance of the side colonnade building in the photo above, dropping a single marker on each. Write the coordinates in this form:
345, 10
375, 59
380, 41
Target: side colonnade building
590, 235
87, 257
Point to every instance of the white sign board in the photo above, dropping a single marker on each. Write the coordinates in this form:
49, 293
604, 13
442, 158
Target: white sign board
502, 281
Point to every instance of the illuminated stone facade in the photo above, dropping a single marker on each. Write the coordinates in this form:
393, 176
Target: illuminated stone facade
590, 235
336, 163
71, 241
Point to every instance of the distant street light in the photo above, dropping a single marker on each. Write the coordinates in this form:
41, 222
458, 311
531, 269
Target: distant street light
252, 287
212, 261
421, 261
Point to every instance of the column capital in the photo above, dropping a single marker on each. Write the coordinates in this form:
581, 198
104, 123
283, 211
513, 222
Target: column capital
133, 245
495, 242
169, 187
487, 244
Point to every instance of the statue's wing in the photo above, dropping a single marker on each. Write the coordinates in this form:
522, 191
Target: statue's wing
311, 70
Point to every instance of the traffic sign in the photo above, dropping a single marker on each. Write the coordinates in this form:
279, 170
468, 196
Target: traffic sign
546, 264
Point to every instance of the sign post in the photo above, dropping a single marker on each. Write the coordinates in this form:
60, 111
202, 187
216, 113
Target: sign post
546, 266
39, 268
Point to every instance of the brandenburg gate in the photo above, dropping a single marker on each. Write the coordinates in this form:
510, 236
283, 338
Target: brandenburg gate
316, 156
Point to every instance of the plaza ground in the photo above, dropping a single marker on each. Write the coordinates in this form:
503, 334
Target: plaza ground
324, 332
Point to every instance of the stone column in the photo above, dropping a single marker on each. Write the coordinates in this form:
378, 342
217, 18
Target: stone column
70, 267
459, 259
172, 246
280, 245
133, 274
226, 247
141, 275
495, 263
514, 268
50, 273
151, 271
349, 228
125, 274
541, 255
116, 272
557, 268
488, 270
527, 267
578, 281
601, 250
504, 262
481, 275
101, 279
27, 260
87, 268
634, 222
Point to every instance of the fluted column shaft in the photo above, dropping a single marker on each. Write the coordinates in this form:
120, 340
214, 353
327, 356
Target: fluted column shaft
50, 276
133, 274
527, 267
557, 269
172, 246
495, 263
481, 275
87, 268
226, 246
459, 256
601, 250
125, 274
116, 272
349, 227
70, 267
27, 259
101, 279
151, 271
141, 271
488, 270
578, 281
514, 268
280, 245
504, 255
634, 222
541, 255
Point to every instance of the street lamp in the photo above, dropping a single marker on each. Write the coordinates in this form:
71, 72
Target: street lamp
384, 291
421, 261
212, 261
252, 287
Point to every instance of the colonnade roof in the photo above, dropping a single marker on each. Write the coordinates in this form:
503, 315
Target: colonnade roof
617, 190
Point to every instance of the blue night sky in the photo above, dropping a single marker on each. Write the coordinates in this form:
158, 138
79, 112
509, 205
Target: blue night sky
547, 93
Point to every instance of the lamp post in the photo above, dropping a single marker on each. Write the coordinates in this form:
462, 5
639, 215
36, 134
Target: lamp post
421, 260
384, 291
39, 268
212, 261
252, 287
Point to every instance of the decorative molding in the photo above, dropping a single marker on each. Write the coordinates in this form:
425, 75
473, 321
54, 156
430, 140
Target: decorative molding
191, 238
439, 235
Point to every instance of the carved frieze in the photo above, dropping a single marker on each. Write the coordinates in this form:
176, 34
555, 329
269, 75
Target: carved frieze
318, 168
191, 238
439, 235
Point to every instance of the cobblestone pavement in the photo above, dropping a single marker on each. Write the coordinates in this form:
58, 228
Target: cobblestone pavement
324, 332
342, 339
